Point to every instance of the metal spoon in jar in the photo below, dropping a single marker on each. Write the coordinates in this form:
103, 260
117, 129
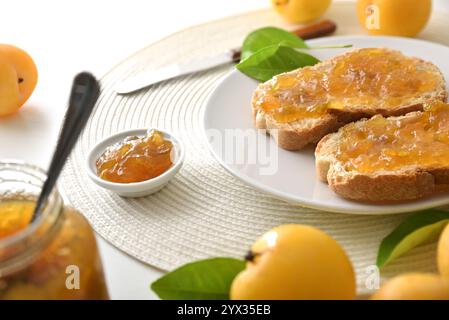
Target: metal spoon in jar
83, 96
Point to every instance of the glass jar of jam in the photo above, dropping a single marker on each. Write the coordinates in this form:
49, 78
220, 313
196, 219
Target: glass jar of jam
53, 257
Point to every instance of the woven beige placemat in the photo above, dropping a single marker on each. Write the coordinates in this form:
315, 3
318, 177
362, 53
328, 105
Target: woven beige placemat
206, 212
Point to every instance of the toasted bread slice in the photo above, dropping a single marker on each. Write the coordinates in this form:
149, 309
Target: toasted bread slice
388, 159
300, 107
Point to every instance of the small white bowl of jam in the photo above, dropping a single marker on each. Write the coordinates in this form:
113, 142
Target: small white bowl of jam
135, 163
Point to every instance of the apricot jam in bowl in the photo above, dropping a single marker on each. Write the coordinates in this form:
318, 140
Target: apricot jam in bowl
135, 163
52, 257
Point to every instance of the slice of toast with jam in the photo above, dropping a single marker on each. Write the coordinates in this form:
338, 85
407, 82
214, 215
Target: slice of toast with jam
300, 107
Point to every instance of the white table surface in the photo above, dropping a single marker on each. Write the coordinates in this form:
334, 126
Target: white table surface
65, 37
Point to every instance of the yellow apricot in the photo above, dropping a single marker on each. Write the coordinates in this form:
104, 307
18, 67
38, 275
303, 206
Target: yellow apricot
397, 18
9, 89
293, 262
301, 11
18, 78
414, 286
443, 253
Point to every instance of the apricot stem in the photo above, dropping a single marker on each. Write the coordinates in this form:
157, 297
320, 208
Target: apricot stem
281, 2
250, 256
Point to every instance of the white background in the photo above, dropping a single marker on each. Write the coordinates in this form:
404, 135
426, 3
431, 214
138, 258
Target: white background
65, 37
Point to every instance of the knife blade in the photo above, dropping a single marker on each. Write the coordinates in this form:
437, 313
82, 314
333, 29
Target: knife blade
151, 77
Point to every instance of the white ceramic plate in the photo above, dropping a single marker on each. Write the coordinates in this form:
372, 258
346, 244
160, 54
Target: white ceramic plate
291, 175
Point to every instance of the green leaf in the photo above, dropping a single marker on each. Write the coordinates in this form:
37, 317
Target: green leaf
269, 36
273, 60
338, 46
201, 280
420, 228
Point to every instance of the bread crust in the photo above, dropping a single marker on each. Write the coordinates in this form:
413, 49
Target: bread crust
406, 184
383, 186
296, 135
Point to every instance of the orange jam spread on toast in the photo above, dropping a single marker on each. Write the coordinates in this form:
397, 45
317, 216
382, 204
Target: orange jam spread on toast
136, 159
360, 78
420, 139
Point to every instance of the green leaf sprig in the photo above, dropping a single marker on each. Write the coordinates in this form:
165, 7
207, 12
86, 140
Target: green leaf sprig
270, 51
417, 229
273, 60
209, 279
269, 36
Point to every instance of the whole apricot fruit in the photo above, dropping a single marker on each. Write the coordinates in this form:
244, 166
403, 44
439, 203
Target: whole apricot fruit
301, 11
443, 253
414, 286
397, 18
293, 262
18, 78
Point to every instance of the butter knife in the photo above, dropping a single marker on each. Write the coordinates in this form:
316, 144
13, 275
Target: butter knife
150, 77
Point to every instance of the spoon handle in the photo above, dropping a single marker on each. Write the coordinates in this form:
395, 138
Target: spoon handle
84, 94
